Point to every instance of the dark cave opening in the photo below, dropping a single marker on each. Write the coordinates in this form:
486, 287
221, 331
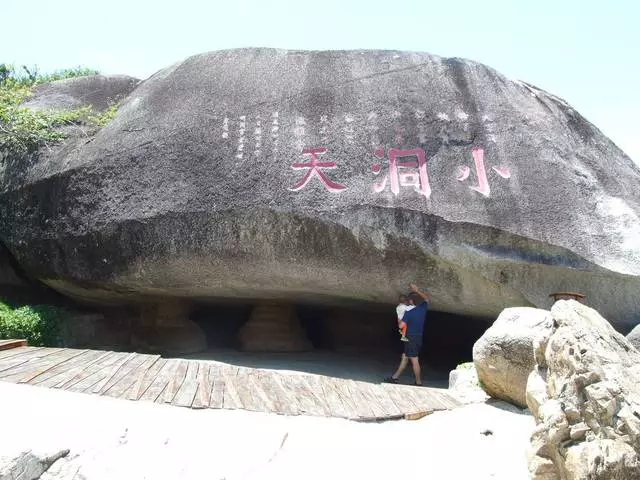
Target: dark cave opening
364, 338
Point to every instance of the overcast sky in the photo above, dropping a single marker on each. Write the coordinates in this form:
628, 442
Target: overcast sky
586, 52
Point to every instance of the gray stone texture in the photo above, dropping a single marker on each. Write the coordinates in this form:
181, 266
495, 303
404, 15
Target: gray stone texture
503, 356
585, 398
188, 191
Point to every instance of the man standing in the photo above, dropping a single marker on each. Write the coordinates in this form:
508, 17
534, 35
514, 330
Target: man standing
414, 319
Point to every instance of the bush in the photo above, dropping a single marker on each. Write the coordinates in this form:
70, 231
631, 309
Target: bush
23, 130
40, 325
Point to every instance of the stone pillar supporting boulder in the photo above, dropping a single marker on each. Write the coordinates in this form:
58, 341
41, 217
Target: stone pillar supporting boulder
503, 356
273, 327
585, 397
165, 327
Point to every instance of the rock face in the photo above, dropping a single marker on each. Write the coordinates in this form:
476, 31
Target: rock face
464, 383
166, 328
585, 397
503, 356
334, 178
97, 91
634, 337
273, 327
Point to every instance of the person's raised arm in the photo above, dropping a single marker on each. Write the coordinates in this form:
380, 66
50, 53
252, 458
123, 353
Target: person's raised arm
415, 289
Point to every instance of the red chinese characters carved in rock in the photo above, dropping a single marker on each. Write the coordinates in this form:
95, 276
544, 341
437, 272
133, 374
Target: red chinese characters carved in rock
481, 172
403, 174
313, 168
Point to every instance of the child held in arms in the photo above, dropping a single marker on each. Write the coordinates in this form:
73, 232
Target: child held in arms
403, 306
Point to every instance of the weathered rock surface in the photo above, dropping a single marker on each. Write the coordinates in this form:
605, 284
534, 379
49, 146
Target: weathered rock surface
634, 337
464, 383
166, 328
97, 91
200, 188
273, 327
585, 397
354, 331
28, 464
503, 356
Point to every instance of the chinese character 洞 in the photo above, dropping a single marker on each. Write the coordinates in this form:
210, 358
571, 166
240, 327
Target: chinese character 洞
481, 172
404, 174
313, 168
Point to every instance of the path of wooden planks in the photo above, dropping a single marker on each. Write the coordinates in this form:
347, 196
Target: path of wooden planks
209, 384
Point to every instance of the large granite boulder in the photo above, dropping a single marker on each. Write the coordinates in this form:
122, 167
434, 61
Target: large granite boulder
634, 337
585, 397
97, 91
334, 178
503, 356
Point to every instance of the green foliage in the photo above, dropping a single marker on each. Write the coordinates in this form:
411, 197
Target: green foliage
40, 325
104, 117
23, 130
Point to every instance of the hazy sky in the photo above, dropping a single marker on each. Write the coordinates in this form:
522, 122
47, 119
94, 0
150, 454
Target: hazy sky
587, 52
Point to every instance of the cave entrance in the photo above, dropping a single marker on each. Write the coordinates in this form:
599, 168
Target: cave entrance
360, 344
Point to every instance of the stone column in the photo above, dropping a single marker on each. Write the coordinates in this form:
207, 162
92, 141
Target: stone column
165, 327
273, 327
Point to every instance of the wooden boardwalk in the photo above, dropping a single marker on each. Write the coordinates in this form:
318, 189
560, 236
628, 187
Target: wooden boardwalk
209, 384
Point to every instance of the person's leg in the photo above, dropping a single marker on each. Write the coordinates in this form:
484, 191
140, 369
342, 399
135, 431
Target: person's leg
404, 361
415, 364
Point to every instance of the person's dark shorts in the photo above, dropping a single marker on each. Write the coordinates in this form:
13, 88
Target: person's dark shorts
413, 346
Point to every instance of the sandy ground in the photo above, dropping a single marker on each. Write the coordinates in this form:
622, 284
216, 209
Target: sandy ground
118, 439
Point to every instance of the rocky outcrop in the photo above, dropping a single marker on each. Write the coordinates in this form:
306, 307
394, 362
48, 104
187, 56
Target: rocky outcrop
28, 464
273, 327
503, 356
465, 385
585, 397
166, 328
332, 178
97, 91
634, 337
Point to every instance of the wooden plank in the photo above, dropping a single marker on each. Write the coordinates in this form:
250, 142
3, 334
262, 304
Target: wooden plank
332, 398
231, 398
186, 393
292, 406
9, 344
372, 400
35, 364
62, 364
260, 389
68, 372
299, 390
270, 393
130, 375
366, 408
94, 373
203, 393
144, 379
26, 356
441, 398
402, 401
345, 395
111, 375
333, 385
175, 382
384, 400
245, 391
17, 351
316, 391
158, 384
421, 404
216, 397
